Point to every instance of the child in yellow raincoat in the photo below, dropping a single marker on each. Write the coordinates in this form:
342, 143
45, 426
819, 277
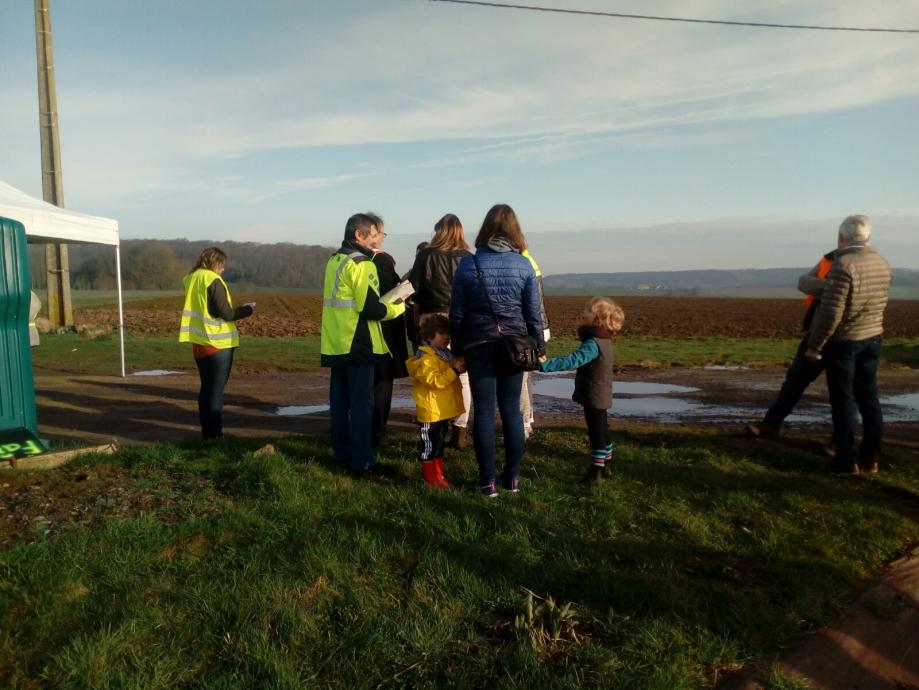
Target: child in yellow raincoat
437, 393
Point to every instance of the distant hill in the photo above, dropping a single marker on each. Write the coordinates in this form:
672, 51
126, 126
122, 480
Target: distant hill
753, 281
161, 264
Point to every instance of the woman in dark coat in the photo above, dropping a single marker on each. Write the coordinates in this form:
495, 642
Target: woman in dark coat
510, 296
432, 278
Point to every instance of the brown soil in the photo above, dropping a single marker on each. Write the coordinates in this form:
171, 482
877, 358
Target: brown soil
296, 314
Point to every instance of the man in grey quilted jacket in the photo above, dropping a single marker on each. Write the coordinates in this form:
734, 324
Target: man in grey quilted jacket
847, 331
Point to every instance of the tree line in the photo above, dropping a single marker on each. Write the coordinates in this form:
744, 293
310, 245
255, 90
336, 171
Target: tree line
161, 264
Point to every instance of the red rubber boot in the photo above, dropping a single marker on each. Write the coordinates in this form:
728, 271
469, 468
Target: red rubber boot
439, 467
429, 472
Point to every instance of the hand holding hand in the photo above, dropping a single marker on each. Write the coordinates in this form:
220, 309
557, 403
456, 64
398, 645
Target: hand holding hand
812, 355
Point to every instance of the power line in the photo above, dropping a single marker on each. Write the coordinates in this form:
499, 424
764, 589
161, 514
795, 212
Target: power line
619, 15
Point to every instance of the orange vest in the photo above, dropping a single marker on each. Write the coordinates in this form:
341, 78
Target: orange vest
822, 269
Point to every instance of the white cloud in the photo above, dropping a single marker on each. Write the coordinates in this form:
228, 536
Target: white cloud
540, 87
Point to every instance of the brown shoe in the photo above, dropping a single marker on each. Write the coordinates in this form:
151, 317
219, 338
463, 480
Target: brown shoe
870, 466
460, 439
761, 430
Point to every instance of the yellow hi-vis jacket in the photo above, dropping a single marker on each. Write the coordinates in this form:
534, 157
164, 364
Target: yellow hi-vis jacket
352, 311
436, 387
198, 326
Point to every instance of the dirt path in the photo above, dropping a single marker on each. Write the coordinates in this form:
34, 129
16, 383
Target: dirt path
146, 409
873, 646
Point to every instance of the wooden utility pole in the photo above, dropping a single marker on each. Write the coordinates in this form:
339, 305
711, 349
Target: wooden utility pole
60, 311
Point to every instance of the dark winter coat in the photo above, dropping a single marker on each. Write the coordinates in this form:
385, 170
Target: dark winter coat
510, 283
393, 330
593, 382
432, 278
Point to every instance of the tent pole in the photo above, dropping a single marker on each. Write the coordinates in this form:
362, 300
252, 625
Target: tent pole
120, 305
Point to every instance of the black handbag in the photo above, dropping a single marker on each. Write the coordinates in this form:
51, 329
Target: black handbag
520, 349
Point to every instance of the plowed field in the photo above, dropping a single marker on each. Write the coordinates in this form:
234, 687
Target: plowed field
292, 314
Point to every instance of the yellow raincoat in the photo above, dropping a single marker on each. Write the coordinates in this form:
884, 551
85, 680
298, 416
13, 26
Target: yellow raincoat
435, 387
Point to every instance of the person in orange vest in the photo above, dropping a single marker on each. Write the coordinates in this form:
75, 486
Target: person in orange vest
802, 372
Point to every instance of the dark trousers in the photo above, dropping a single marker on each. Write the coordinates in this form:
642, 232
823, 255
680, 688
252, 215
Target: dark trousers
431, 439
495, 384
597, 428
801, 373
214, 372
351, 410
382, 403
851, 369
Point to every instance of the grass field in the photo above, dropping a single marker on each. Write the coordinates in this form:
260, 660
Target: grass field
202, 566
77, 353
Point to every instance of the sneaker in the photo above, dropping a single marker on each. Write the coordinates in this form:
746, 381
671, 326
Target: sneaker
512, 484
595, 474
761, 430
489, 490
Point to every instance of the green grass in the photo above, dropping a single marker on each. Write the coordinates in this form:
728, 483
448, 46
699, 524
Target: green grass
201, 566
75, 353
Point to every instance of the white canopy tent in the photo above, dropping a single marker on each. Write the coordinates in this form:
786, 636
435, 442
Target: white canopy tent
46, 223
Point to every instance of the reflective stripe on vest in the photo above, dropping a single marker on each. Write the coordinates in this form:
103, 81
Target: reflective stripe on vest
334, 302
197, 325
823, 268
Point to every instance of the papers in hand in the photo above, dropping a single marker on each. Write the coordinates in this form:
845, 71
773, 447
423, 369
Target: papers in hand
398, 293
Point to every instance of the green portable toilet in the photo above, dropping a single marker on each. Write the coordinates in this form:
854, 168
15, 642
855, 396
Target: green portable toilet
17, 391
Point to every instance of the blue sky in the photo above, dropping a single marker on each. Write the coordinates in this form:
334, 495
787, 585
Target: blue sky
622, 144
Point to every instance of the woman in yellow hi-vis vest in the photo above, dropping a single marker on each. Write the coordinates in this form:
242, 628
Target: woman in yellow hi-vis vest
208, 324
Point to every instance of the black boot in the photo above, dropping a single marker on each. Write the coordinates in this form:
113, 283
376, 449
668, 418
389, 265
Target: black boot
595, 474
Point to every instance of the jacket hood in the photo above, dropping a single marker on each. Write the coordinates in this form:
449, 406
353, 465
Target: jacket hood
501, 244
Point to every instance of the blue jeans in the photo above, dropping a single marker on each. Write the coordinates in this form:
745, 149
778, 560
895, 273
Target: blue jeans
851, 369
495, 383
351, 410
214, 372
801, 373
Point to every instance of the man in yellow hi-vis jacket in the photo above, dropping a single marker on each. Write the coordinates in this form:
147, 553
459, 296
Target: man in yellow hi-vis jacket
352, 341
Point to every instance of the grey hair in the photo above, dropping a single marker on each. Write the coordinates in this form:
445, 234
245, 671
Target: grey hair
855, 229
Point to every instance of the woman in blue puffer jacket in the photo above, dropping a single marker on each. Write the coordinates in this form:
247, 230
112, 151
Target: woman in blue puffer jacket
511, 285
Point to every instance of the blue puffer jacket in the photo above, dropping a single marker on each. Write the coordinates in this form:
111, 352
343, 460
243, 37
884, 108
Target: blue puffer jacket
511, 284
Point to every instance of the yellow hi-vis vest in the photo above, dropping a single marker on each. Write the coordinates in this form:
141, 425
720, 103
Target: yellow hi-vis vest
198, 326
344, 293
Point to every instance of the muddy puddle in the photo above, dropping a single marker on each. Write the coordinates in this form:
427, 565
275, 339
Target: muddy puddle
663, 402
669, 403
